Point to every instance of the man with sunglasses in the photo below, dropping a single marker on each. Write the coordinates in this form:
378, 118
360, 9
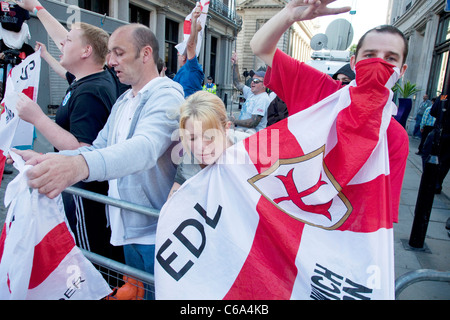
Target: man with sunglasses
253, 115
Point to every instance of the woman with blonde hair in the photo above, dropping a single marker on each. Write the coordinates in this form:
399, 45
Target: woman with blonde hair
205, 133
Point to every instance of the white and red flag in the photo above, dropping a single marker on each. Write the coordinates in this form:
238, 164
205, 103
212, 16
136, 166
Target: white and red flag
300, 210
181, 47
22, 78
38, 256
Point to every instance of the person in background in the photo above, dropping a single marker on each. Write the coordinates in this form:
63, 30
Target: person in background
277, 110
440, 110
426, 126
422, 107
253, 116
345, 74
210, 86
161, 67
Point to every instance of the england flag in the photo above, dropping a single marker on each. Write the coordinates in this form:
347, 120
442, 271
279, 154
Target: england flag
38, 256
300, 210
204, 6
13, 131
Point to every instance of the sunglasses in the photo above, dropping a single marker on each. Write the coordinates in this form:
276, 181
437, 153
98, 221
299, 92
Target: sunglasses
256, 81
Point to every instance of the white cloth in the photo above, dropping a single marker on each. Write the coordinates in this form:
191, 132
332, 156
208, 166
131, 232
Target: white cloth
15, 40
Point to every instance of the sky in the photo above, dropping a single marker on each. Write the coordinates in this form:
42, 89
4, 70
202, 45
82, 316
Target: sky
369, 14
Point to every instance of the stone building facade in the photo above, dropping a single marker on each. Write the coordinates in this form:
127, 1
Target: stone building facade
426, 24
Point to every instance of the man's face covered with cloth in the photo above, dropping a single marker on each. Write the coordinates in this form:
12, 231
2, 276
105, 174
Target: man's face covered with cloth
375, 77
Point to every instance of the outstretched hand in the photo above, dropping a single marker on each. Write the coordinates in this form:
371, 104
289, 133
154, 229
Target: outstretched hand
52, 173
28, 4
310, 9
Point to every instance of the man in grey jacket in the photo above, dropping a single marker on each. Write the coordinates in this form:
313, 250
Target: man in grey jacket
132, 151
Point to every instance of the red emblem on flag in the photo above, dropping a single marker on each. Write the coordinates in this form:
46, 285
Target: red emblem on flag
317, 202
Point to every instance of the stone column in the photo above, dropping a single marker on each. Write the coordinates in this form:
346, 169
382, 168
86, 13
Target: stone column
160, 32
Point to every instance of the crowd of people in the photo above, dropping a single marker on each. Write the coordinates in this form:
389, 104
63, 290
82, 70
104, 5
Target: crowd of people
113, 132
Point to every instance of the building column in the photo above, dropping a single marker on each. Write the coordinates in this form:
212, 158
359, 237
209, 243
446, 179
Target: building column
123, 10
207, 52
160, 32
224, 75
425, 59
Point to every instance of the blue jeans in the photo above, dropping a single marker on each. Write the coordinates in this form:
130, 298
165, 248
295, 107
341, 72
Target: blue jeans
416, 132
142, 257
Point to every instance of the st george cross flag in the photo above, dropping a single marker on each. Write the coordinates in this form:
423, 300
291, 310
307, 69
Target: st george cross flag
181, 47
300, 210
22, 78
38, 256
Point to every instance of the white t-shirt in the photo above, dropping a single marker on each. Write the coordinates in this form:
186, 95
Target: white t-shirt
254, 104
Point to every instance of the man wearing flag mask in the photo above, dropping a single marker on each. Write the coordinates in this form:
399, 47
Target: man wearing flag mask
385, 42
190, 75
314, 218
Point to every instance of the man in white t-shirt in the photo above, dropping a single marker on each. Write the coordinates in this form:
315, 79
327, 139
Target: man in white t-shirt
253, 115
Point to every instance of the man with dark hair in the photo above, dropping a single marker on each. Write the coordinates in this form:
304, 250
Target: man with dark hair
387, 30
345, 74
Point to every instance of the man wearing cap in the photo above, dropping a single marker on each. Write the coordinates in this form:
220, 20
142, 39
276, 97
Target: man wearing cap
210, 86
345, 74
253, 115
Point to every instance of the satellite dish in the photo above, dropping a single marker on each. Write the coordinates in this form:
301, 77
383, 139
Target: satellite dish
340, 34
319, 42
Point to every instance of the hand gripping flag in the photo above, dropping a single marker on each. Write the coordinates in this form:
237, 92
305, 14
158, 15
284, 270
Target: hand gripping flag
38, 256
181, 47
22, 78
300, 210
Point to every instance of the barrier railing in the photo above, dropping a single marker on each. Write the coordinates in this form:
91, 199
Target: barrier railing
148, 279
114, 272
402, 282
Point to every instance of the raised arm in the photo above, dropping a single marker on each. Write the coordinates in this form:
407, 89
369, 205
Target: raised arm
264, 42
236, 76
61, 139
52, 62
191, 44
54, 29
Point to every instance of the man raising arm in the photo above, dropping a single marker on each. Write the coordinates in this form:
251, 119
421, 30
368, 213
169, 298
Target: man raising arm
286, 76
264, 42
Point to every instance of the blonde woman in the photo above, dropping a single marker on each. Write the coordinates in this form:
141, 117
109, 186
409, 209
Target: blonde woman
205, 133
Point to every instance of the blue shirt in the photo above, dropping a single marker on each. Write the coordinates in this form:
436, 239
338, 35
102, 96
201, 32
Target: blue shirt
190, 76
427, 120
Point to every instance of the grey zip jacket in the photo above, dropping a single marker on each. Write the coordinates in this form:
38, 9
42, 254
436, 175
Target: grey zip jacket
142, 164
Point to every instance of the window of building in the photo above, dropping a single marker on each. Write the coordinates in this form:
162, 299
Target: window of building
440, 71
170, 42
139, 15
99, 6
212, 64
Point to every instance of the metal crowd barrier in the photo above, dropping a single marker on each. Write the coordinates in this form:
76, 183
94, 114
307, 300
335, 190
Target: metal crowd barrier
402, 282
115, 273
